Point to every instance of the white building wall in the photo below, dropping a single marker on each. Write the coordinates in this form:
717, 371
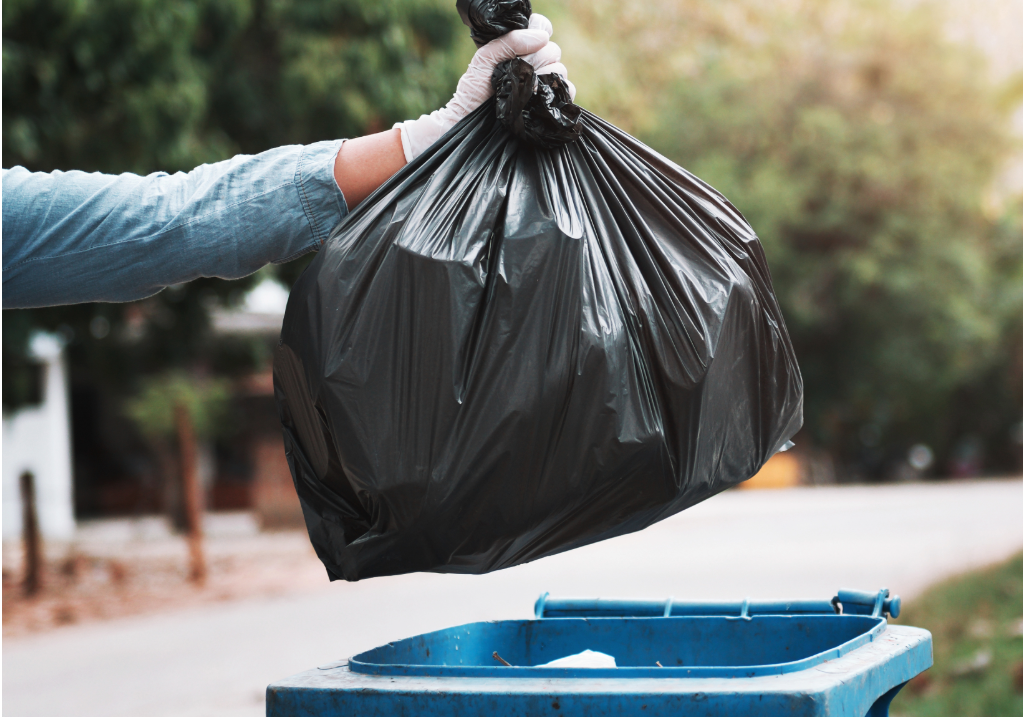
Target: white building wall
38, 439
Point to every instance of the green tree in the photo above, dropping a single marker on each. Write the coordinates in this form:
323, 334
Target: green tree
147, 85
205, 400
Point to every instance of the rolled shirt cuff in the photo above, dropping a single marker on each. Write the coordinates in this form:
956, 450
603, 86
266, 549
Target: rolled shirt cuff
322, 200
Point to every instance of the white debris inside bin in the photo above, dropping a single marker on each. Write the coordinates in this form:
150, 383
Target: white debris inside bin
586, 658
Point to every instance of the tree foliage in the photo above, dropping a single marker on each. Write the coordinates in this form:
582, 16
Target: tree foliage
146, 85
205, 400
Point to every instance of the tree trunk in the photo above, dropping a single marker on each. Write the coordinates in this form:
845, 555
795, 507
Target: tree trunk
191, 493
30, 533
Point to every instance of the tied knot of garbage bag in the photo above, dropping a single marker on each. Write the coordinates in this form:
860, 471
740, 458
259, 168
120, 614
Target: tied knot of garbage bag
489, 19
535, 108
538, 109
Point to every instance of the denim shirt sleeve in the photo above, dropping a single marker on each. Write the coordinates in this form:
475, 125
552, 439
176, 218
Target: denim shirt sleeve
73, 237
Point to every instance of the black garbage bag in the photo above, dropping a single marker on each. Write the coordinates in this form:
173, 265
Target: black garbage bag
537, 335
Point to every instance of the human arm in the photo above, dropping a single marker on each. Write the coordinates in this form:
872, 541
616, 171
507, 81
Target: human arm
365, 163
73, 237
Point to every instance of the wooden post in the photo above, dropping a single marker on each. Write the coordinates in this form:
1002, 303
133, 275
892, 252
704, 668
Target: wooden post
192, 495
30, 534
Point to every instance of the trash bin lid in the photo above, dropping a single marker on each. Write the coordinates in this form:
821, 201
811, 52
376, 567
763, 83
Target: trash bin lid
647, 638
684, 646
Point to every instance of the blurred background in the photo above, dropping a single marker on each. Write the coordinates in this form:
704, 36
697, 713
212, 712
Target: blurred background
876, 146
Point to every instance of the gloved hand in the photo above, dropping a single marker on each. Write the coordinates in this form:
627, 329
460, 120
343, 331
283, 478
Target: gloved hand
532, 45
547, 60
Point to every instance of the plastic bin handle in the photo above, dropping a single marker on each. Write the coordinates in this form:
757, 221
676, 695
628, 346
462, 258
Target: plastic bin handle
549, 607
858, 602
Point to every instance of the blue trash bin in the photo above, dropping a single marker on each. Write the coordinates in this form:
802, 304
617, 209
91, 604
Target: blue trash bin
802, 657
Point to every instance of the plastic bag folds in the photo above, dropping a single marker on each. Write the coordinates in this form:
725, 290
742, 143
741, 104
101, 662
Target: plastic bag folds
537, 335
509, 351
543, 116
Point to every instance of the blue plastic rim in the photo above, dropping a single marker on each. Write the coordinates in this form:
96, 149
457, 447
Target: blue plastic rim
717, 646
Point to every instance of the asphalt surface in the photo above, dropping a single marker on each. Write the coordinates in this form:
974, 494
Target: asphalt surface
217, 660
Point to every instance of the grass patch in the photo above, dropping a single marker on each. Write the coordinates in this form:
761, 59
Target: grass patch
977, 623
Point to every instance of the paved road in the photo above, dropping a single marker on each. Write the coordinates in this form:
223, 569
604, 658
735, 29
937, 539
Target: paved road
798, 543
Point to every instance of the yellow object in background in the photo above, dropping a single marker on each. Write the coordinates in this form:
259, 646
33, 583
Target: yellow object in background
783, 470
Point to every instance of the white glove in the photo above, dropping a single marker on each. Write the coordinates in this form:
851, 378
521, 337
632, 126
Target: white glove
548, 60
532, 45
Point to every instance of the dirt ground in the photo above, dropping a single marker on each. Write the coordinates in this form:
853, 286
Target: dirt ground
114, 571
